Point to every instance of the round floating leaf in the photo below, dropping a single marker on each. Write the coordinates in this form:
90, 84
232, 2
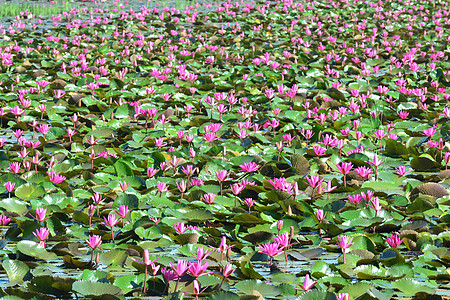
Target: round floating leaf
412, 287
130, 282
430, 188
391, 257
320, 269
385, 187
423, 163
114, 257
284, 277
95, 288
265, 289
186, 238
127, 199
101, 132
29, 191
400, 270
369, 272
363, 242
300, 163
150, 233
356, 290
317, 295
14, 205
247, 219
123, 169
35, 250
312, 253
51, 285
198, 215
258, 237
17, 270
223, 295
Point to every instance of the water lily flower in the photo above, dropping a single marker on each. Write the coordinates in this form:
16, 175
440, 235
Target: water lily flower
169, 275
344, 242
181, 268
226, 272
162, 187
283, 240
94, 242
354, 199
208, 198
394, 240
196, 289
42, 234
236, 189
202, 254
124, 185
180, 227
10, 187
249, 202
364, 172
307, 284
43, 128
249, 167
320, 215
319, 150
376, 163
221, 175
345, 168
40, 215
146, 262
55, 177
198, 269
271, 249
375, 204
151, 172
123, 213
14, 167
403, 114
342, 296
111, 221
4, 220
97, 198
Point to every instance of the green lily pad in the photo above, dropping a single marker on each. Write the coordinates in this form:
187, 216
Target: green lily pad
35, 250
16, 270
95, 288
29, 191
114, 257
265, 289
224, 295
317, 295
14, 205
412, 287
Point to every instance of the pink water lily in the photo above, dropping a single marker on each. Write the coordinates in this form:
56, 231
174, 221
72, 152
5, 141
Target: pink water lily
222, 175
42, 235
94, 242
123, 213
271, 249
198, 268
111, 221
344, 242
394, 240
345, 168
307, 284
10, 187
146, 262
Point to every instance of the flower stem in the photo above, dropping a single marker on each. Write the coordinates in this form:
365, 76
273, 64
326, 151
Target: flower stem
145, 280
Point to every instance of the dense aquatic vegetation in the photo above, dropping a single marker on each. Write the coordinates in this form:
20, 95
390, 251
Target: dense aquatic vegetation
226, 150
